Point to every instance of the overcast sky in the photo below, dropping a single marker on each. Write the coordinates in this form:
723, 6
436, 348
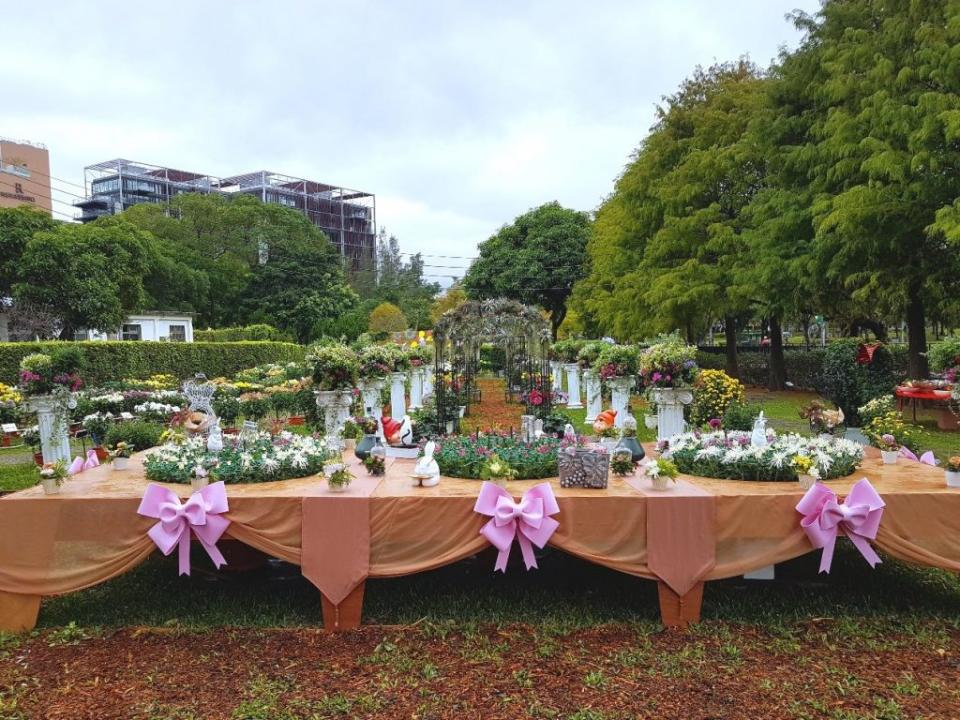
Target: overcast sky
457, 115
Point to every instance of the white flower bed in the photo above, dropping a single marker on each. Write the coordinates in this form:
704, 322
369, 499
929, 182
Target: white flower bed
261, 460
731, 456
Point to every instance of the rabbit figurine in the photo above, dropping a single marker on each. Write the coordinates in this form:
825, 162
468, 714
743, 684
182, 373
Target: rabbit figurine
427, 472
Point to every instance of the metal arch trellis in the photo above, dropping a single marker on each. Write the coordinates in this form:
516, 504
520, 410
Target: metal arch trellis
519, 329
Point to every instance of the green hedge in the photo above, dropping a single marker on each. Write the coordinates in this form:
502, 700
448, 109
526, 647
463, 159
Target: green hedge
242, 334
117, 360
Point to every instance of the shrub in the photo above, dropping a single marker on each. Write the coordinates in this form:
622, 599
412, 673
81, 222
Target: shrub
567, 350
740, 416
891, 424
335, 367
387, 318
715, 391
259, 332
945, 354
850, 384
140, 435
105, 361
227, 408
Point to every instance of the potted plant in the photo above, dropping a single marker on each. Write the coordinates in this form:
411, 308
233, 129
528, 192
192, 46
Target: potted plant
52, 476
888, 433
952, 470
376, 460
497, 471
97, 424
621, 462
807, 471
338, 477
120, 455
661, 472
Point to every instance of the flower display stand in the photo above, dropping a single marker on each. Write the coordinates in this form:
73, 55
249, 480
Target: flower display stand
592, 388
54, 441
620, 398
370, 392
670, 402
573, 385
416, 388
398, 402
335, 405
556, 373
427, 381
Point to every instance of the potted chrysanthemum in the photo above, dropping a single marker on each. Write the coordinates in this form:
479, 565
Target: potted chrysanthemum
52, 475
952, 470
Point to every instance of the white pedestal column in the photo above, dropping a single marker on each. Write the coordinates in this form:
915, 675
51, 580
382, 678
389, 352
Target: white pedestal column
573, 385
670, 402
427, 380
398, 401
620, 398
54, 441
416, 387
370, 392
335, 405
593, 390
556, 372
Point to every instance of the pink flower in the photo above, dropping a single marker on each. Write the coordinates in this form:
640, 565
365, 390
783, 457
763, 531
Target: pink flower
715, 423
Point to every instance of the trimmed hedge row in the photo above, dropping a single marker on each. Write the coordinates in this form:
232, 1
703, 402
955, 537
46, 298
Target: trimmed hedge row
243, 334
106, 360
805, 368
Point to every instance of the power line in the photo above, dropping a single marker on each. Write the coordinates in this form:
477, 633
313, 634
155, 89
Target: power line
54, 177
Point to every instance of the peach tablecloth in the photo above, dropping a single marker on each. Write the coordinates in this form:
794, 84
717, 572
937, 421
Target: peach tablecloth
91, 532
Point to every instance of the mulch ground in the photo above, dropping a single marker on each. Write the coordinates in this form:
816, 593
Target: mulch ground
429, 671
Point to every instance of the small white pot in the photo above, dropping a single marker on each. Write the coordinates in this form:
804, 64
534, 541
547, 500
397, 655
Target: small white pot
650, 421
197, 484
50, 486
660, 482
889, 456
953, 478
337, 488
121, 463
806, 481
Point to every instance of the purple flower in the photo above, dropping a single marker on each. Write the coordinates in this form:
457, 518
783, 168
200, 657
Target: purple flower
888, 439
715, 423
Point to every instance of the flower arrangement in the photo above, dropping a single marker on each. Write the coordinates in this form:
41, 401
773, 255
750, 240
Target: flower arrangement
670, 363
464, 456
335, 367
377, 361
953, 464
621, 463
261, 459
888, 432
420, 355
589, 354
730, 455
618, 361
715, 392
822, 419
339, 476
661, 467
804, 465
43, 374
375, 465
55, 471
566, 351
496, 470
120, 450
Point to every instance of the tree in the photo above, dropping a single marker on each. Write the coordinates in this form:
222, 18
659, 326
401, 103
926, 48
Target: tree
453, 298
535, 260
873, 112
668, 245
89, 276
387, 318
17, 226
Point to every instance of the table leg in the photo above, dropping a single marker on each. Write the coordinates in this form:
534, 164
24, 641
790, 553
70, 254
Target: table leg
346, 615
18, 613
678, 611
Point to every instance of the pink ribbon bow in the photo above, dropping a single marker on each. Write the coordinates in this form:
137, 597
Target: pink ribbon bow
858, 517
201, 514
92, 460
927, 458
76, 467
528, 521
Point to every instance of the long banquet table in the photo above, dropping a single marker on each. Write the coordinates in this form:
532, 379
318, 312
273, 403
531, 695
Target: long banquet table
702, 530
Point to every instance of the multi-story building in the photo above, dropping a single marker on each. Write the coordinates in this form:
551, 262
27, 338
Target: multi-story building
24, 175
347, 217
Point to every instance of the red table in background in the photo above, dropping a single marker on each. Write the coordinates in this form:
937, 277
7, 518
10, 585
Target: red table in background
946, 420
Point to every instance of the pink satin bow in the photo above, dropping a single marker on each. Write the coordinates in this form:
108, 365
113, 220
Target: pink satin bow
201, 514
78, 465
528, 521
858, 517
927, 458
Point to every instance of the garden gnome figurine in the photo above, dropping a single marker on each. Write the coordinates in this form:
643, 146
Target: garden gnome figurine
758, 438
427, 472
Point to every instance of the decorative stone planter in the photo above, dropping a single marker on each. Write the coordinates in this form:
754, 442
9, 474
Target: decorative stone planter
573, 385
593, 390
660, 482
889, 456
54, 441
620, 397
953, 478
398, 401
670, 402
335, 405
416, 388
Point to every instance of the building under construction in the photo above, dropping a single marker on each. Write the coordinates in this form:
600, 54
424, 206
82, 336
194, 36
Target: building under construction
347, 217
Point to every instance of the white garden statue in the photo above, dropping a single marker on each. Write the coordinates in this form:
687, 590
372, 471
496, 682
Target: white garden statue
426, 472
758, 438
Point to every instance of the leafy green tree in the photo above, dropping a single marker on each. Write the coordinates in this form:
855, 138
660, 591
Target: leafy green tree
536, 260
90, 276
870, 114
387, 318
17, 226
453, 298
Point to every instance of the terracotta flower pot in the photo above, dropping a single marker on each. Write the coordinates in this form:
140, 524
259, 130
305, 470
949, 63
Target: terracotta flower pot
102, 453
38, 459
